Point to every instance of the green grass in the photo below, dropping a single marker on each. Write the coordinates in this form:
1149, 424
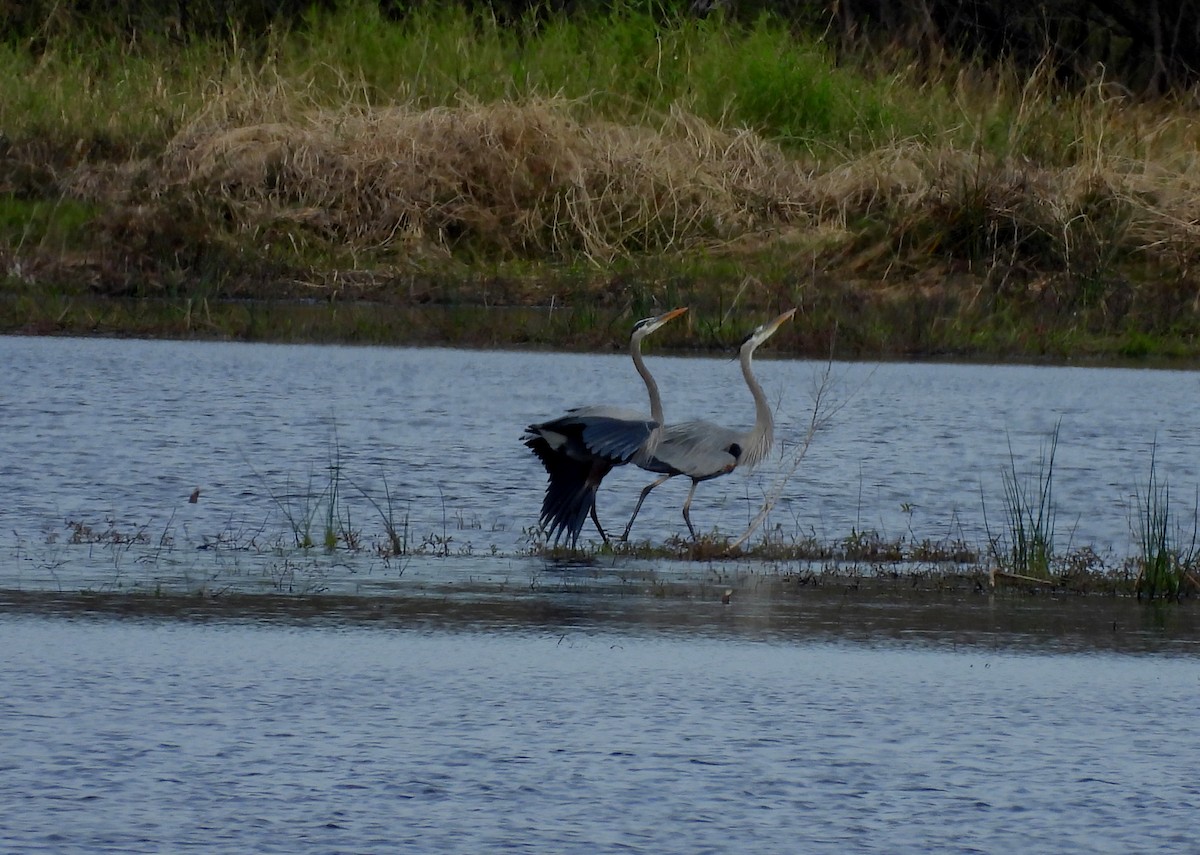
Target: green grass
624, 66
106, 95
1025, 547
1168, 553
58, 225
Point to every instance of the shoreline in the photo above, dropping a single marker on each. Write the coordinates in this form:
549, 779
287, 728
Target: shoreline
474, 326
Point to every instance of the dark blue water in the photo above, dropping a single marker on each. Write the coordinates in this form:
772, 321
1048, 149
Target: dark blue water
481, 699
141, 736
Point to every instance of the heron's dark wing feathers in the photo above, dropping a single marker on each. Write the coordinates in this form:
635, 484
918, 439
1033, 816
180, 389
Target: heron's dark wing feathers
610, 433
616, 439
606, 412
570, 490
577, 450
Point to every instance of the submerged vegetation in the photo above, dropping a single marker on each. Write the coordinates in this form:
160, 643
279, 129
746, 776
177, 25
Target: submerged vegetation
581, 168
250, 559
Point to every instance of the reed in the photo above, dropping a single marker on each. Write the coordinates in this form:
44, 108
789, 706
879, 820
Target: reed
1025, 547
397, 531
299, 509
337, 514
1168, 554
303, 507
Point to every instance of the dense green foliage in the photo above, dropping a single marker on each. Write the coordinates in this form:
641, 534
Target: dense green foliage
91, 88
1149, 46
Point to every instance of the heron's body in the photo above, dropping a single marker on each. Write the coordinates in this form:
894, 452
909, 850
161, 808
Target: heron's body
581, 447
702, 450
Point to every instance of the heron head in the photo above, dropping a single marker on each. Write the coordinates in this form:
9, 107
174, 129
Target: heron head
646, 326
765, 331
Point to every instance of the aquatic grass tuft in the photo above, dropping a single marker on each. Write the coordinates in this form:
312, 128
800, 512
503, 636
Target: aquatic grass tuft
1164, 563
397, 531
1026, 546
303, 507
333, 518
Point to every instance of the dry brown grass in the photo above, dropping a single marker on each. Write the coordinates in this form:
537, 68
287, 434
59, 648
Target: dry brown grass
522, 180
1107, 244
533, 180
268, 185
964, 195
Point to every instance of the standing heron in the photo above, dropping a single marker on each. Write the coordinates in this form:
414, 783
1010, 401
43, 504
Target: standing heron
579, 448
702, 450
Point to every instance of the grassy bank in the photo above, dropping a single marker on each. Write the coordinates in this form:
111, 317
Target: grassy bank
583, 172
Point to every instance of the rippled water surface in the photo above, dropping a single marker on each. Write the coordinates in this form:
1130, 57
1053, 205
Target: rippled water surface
140, 736
473, 697
97, 430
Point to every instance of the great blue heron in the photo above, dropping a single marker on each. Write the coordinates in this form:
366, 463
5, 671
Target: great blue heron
579, 448
702, 450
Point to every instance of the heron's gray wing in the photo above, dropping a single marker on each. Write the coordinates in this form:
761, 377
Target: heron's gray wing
698, 449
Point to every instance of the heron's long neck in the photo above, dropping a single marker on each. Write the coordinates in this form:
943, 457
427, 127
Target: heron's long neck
762, 437
656, 408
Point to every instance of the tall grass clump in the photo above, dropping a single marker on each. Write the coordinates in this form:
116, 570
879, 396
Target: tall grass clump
1165, 561
1026, 545
303, 508
499, 180
397, 530
789, 90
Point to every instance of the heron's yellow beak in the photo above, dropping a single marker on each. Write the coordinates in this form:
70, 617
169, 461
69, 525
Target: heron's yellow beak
779, 321
672, 315
786, 316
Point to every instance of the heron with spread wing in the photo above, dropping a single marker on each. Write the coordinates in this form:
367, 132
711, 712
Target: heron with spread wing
702, 450
581, 447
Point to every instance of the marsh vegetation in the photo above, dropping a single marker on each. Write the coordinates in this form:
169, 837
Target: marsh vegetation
319, 541
587, 166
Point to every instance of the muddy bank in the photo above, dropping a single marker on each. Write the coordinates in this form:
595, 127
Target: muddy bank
862, 612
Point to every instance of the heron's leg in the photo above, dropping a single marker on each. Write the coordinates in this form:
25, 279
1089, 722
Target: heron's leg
599, 527
687, 505
645, 492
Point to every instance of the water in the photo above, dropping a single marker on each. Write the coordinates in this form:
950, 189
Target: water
109, 432
141, 736
477, 698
